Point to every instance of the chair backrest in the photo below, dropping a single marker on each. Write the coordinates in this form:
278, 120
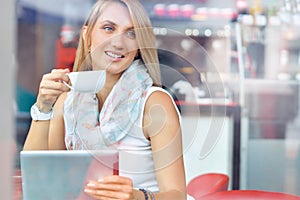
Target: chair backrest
208, 183
249, 195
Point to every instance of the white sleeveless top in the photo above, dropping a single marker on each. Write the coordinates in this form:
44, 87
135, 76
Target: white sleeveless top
135, 157
135, 154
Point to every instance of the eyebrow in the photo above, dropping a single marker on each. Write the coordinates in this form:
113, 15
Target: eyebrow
108, 21
114, 24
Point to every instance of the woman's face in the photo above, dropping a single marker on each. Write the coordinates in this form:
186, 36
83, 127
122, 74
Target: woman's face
113, 43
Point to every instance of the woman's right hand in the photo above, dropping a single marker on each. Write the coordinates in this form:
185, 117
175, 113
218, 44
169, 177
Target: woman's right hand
51, 87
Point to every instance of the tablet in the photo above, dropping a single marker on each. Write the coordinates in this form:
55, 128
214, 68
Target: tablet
62, 175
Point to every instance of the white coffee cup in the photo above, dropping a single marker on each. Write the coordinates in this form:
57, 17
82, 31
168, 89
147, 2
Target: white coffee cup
86, 81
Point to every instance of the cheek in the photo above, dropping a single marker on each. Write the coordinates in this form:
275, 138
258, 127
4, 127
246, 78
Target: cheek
97, 54
132, 54
132, 46
97, 46
98, 41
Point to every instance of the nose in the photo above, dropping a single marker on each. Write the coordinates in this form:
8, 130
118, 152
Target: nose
117, 41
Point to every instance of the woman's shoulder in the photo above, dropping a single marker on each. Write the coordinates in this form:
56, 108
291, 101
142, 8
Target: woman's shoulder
159, 96
160, 107
156, 93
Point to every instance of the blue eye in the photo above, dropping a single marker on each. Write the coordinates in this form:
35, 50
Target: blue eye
108, 28
131, 34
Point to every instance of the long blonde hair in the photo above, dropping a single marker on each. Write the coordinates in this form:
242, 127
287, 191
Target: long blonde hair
144, 36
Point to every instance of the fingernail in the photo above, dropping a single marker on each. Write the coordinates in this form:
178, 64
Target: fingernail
91, 184
100, 180
87, 191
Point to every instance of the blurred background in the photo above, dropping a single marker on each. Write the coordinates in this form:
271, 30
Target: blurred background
233, 67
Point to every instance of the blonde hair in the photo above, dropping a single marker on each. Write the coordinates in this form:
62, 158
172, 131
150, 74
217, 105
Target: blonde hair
144, 36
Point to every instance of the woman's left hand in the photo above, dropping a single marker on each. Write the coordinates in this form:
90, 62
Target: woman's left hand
110, 187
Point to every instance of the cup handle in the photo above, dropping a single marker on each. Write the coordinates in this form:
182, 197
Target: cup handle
69, 86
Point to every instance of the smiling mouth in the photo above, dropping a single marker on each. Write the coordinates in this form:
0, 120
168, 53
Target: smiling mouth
114, 55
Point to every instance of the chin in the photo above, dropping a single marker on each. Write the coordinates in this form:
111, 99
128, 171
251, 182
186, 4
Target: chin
113, 69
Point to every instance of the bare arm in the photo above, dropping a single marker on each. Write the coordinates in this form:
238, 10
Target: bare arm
162, 125
51, 87
56, 138
37, 138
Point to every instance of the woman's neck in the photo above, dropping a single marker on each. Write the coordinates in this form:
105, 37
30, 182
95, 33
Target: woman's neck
111, 80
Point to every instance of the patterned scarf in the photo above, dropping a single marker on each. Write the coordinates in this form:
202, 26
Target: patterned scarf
86, 128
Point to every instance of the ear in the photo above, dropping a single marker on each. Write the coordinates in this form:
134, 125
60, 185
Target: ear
83, 32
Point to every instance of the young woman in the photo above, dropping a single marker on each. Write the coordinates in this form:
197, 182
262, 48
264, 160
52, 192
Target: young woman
131, 111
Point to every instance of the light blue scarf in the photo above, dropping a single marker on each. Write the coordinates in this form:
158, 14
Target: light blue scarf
87, 129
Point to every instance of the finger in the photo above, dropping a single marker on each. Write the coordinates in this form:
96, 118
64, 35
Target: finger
95, 185
107, 194
52, 86
66, 70
116, 179
46, 93
57, 75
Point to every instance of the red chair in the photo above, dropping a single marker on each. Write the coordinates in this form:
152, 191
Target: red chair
249, 195
206, 184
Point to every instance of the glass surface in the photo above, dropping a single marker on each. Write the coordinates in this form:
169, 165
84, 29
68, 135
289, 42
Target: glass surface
271, 95
47, 33
46, 38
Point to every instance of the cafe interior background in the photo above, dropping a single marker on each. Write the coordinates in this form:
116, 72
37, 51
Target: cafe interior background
233, 67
